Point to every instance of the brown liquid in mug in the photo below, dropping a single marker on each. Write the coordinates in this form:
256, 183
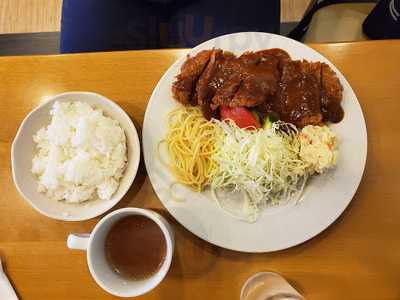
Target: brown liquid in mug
135, 247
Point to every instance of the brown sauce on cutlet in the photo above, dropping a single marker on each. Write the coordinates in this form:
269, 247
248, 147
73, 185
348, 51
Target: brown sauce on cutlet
300, 92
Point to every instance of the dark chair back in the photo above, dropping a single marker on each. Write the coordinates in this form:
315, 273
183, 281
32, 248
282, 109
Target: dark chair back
103, 25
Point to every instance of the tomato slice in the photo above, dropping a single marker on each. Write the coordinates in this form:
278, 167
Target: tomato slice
242, 117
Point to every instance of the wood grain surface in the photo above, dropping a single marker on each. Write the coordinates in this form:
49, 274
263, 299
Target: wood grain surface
293, 10
358, 257
18, 16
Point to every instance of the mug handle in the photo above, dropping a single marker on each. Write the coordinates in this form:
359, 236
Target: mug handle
79, 241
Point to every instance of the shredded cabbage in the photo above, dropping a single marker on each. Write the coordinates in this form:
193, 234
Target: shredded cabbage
264, 164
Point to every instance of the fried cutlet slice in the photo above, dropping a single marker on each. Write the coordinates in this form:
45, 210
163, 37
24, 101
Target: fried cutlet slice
191, 70
226, 80
258, 82
205, 90
299, 94
246, 81
332, 94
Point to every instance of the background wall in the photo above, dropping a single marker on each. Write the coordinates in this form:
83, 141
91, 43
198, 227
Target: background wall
21, 16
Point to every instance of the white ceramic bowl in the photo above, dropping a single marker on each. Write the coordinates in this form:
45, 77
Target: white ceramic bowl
23, 149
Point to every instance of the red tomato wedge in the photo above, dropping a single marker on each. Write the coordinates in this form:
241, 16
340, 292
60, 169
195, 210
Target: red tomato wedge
240, 115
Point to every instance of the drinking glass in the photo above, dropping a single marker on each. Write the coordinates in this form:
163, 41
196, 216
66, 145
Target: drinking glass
268, 286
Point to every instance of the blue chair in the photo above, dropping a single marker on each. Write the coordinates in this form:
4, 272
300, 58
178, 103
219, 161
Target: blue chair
105, 25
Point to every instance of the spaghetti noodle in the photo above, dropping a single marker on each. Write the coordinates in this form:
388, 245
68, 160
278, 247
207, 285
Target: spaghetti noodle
190, 144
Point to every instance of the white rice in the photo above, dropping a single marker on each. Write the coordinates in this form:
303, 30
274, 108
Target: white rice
81, 154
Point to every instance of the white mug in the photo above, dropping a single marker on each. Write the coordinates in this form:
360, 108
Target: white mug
101, 271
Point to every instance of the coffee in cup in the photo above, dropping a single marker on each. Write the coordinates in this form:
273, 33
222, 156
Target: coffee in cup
135, 247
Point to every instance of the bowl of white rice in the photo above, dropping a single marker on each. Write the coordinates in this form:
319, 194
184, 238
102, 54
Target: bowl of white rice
75, 156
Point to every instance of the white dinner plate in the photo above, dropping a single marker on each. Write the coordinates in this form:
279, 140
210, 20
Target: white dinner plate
325, 197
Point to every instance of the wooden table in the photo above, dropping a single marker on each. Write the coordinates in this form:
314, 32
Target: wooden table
358, 257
